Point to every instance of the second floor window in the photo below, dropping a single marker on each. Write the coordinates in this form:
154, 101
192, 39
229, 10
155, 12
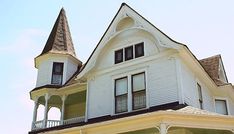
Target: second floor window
121, 95
200, 99
137, 92
57, 73
221, 106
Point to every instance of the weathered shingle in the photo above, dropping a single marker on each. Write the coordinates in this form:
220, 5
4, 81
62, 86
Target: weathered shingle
60, 40
211, 65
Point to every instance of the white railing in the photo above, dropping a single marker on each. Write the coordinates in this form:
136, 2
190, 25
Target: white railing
74, 120
52, 123
37, 125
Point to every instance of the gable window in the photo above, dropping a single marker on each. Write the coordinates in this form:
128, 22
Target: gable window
200, 99
57, 73
138, 91
121, 95
118, 56
221, 106
128, 53
139, 50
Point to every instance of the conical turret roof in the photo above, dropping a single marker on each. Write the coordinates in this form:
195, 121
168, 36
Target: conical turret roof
60, 40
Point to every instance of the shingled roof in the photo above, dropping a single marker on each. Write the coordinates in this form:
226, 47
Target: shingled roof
60, 40
211, 65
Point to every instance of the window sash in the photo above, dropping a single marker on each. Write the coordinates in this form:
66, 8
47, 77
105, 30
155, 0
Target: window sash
57, 73
118, 56
121, 86
221, 106
138, 82
128, 51
139, 49
139, 99
121, 103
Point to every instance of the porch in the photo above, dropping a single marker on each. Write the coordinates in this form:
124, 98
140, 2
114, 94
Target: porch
71, 109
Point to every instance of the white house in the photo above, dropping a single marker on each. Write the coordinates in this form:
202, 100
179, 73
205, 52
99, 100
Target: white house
136, 81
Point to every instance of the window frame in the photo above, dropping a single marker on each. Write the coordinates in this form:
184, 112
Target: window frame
143, 49
142, 90
120, 95
222, 99
125, 53
200, 96
54, 72
122, 55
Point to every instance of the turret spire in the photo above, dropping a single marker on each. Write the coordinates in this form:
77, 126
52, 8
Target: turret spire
60, 40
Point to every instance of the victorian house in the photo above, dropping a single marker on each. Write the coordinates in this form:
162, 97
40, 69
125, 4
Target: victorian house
136, 81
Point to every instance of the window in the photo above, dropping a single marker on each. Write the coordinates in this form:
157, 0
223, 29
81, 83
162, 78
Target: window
118, 56
139, 50
138, 91
221, 106
200, 95
128, 53
57, 73
121, 95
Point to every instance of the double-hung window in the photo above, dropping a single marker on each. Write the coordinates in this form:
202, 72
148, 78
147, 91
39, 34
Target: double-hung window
138, 91
57, 73
121, 95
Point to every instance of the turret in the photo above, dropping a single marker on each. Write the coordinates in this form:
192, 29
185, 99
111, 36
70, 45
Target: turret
57, 62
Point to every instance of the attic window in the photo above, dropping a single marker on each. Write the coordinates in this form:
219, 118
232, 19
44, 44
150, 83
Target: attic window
118, 56
129, 52
57, 73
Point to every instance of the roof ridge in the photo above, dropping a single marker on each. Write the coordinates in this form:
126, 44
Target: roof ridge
217, 55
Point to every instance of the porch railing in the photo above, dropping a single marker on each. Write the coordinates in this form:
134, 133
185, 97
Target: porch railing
52, 123
74, 120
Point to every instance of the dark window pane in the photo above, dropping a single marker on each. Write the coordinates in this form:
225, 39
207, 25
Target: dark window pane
128, 53
139, 50
119, 56
57, 73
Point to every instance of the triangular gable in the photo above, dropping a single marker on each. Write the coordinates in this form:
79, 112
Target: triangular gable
127, 11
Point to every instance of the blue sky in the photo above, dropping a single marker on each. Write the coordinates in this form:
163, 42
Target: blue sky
206, 27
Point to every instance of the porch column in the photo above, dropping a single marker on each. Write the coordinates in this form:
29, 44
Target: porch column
47, 97
63, 109
163, 128
35, 113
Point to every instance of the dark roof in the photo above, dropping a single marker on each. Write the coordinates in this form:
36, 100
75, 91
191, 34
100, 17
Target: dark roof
60, 40
211, 65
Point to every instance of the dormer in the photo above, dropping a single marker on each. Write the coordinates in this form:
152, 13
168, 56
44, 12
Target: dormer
57, 62
214, 67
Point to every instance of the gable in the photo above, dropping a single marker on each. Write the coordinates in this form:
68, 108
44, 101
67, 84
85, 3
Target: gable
127, 22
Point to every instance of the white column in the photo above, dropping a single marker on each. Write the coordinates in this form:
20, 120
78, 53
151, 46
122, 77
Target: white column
163, 128
63, 109
47, 97
35, 113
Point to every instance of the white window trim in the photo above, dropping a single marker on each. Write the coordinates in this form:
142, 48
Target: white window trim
128, 75
222, 98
